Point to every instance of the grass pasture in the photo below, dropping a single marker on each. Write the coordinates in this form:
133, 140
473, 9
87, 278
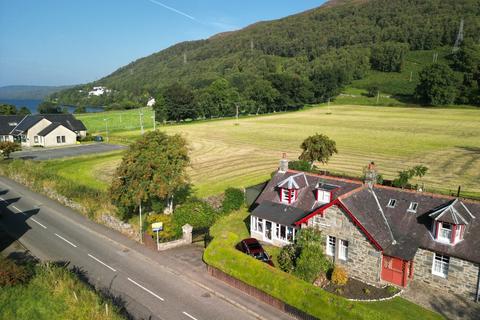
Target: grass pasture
225, 154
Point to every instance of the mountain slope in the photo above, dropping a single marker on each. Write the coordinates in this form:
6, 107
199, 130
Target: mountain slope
339, 32
29, 92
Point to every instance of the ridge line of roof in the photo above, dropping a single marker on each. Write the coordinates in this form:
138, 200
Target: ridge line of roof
326, 176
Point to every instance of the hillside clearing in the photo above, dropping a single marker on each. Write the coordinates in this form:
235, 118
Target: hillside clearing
446, 140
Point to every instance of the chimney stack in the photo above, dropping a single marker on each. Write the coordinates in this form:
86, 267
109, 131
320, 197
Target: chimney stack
283, 164
371, 175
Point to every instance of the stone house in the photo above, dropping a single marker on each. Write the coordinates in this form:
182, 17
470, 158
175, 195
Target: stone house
42, 130
381, 235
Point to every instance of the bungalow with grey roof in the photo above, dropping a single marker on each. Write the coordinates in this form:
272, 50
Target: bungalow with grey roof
42, 130
381, 235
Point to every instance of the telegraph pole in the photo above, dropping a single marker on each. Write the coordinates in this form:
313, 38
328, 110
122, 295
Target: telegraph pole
459, 39
141, 122
106, 128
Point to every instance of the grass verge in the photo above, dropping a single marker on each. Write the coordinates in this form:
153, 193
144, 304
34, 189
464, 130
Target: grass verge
221, 254
54, 293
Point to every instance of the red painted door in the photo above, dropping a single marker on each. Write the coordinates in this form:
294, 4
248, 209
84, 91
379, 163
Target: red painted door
394, 270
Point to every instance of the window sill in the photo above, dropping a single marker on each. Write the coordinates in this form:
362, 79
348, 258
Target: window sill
440, 275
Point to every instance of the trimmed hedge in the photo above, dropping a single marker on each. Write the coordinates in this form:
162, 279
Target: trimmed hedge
221, 254
196, 213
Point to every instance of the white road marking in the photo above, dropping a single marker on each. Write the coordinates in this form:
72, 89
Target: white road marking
38, 223
153, 294
73, 245
98, 260
189, 315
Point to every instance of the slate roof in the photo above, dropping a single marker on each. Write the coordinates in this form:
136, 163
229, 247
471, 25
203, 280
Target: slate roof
5, 121
306, 195
452, 212
49, 129
400, 231
67, 120
278, 212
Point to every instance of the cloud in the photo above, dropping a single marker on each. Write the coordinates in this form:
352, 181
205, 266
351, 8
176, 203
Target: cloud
174, 10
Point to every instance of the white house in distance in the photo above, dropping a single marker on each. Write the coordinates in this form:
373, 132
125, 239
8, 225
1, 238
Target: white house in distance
151, 102
42, 130
98, 91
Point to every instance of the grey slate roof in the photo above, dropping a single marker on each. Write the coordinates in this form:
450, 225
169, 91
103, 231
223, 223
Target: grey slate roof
278, 212
6, 123
67, 120
49, 129
398, 230
452, 212
306, 195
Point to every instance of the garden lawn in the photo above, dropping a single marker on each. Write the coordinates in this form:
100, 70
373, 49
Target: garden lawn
93, 171
230, 153
221, 254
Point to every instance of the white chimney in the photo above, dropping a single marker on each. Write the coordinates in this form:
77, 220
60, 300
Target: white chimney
283, 164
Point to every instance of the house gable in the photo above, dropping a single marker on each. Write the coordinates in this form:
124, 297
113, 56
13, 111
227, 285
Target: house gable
364, 256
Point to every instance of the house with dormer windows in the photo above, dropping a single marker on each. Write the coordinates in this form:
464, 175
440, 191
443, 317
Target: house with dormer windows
380, 235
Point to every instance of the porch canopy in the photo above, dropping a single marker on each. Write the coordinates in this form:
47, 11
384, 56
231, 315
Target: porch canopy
279, 213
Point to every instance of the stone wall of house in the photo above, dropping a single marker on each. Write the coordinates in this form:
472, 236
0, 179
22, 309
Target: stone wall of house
462, 275
364, 260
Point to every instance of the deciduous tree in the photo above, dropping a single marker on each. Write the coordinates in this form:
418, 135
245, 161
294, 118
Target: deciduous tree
153, 168
7, 147
318, 147
437, 85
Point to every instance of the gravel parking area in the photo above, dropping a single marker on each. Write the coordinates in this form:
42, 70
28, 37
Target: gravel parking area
39, 154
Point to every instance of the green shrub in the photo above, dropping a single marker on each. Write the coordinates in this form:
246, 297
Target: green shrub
287, 257
372, 91
301, 165
12, 274
196, 213
311, 263
170, 230
392, 290
339, 276
233, 200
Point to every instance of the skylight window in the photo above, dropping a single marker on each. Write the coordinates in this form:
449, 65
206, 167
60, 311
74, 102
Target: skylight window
413, 207
392, 203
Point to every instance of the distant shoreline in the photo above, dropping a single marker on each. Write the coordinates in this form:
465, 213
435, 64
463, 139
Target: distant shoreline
32, 105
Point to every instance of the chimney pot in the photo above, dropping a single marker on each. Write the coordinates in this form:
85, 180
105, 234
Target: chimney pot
283, 163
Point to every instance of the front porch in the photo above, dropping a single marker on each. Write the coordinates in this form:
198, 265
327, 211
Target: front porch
271, 232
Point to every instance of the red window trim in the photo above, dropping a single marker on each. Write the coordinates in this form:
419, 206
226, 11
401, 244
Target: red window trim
454, 231
437, 227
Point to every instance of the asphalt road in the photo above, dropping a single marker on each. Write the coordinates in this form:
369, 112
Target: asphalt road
55, 153
147, 289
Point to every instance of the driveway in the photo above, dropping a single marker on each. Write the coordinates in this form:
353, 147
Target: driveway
71, 151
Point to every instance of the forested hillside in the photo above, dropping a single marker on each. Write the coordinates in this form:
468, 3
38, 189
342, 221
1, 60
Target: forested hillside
304, 58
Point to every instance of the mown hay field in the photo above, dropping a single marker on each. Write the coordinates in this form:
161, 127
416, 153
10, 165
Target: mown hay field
244, 152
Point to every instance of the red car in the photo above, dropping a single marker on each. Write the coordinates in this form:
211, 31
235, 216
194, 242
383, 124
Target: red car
253, 248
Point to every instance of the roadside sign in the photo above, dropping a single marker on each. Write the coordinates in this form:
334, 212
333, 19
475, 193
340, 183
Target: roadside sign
157, 226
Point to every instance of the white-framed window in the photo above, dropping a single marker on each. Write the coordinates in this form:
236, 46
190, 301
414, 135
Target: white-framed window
343, 249
260, 225
280, 232
445, 232
331, 241
440, 265
392, 203
291, 234
59, 140
253, 223
63, 139
285, 195
413, 207
323, 196
35, 139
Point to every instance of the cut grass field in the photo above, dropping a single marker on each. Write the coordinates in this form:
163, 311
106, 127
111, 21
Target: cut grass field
221, 254
224, 153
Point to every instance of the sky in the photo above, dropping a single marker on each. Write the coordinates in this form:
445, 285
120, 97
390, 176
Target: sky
65, 42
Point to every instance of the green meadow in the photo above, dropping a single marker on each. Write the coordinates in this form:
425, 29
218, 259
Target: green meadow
240, 153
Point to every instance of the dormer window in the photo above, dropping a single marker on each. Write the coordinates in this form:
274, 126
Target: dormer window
392, 203
288, 195
413, 207
445, 232
450, 221
323, 196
